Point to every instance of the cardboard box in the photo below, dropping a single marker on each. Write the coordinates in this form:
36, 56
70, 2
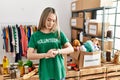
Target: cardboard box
95, 28
89, 59
96, 3
86, 59
74, 34
108, 44
85, 4
76, 5
77, 22
75, 55
88, 15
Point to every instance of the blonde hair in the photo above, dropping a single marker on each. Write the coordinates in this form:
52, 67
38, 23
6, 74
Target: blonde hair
43, 18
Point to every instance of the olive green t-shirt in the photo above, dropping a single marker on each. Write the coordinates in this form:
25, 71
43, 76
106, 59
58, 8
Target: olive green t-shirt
51, 68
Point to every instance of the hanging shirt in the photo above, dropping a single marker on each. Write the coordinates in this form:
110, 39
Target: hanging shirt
7, 39
19, 54
4, 37
29, 33
15, 33
10, 38
24, 41
51, 68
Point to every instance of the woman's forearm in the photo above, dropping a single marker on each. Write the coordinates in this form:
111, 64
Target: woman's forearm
35, 56
67, 50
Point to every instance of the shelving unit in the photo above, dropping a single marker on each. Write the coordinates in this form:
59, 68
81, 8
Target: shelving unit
94, 14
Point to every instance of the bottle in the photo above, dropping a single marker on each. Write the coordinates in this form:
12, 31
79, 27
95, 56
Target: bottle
81, 36
5, 65
26, 69
21, 67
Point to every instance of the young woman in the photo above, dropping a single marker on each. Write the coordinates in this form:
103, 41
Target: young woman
50, 43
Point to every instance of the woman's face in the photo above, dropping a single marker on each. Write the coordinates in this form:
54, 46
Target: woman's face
50, 21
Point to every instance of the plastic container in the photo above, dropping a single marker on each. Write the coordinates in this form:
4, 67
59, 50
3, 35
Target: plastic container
5, 63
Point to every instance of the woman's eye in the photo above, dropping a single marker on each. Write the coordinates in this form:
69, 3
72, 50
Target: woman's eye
48, 20
53, 21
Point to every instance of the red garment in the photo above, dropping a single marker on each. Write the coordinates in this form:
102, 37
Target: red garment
24, 41
7, 37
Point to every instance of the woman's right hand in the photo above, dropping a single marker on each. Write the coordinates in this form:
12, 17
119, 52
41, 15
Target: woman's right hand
50, 54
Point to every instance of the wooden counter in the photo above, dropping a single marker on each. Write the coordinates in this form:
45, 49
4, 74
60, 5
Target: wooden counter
7, 77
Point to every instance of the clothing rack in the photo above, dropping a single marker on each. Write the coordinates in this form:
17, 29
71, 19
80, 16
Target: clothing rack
19, 23
5, 25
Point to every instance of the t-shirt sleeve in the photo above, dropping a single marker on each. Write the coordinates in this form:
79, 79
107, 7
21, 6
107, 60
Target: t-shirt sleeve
32, 42
64, 38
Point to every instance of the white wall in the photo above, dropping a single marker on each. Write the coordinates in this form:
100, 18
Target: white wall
29, 11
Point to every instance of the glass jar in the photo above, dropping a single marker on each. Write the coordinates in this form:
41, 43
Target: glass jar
26, 69
12, 72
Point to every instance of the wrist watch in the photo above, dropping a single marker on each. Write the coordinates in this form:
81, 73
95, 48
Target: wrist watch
59, 51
